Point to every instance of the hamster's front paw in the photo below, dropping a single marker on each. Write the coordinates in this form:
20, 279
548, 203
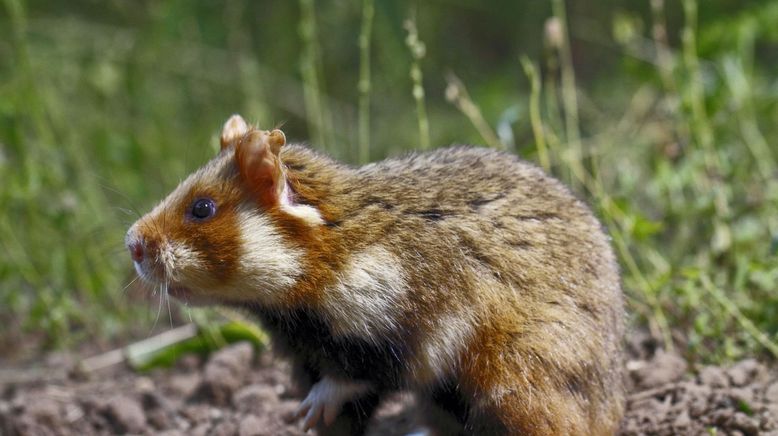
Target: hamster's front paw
326, 398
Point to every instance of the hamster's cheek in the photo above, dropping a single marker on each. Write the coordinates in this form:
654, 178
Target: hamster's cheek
269, 265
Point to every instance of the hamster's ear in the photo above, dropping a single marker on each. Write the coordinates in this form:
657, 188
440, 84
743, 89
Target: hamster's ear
257, 155
234, 129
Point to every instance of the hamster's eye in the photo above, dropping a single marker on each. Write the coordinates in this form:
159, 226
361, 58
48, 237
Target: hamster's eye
203, 208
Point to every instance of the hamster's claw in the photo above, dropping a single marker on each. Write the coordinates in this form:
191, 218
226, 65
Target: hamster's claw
312, 412
325, 400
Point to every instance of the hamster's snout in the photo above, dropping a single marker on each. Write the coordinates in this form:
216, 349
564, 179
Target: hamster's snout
134, 243
136, 251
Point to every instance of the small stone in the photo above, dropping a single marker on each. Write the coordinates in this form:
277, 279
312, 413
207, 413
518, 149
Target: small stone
746, 371
153, 400
663, 368
125, 415
196, 413
768, 424
772, 410
721, 400
181, 422
720, 417
225, 372
713, 376
771, 393
749, 426
254, 398
742, 397
159, 419
682, 421
144, 384
224, 428
184, 385
171, 433
44, 410
200, 430
73, 412
251, 426
25, 425
159, 411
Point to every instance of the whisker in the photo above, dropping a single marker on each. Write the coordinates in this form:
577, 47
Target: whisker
126, 198
167, 300
189, 312
125, 210
159, 308
130, 284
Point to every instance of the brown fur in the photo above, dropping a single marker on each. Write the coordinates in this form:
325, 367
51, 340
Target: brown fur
506, 314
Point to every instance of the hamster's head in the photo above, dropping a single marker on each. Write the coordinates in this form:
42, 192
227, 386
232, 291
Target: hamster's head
214, 239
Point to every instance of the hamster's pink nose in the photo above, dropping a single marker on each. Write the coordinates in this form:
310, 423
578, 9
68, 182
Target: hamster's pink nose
136, 251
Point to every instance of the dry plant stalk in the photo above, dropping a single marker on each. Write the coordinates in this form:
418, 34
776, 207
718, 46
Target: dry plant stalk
457, 94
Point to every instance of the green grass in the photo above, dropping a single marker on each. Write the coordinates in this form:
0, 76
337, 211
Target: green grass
663, 119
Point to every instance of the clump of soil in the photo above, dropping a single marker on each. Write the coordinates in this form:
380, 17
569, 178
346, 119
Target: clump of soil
234, 392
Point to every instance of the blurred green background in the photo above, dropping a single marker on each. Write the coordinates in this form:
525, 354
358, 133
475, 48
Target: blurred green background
663, 115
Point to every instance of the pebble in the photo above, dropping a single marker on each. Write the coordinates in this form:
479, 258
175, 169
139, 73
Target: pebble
125, 414
713, 376
251, 426
745, 424
663, 368
184, 385
224, 428
771, 393
44, 410
225, 372
746, 371
255, 398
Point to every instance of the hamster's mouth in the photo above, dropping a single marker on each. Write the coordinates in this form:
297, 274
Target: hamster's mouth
180, 292
188, 296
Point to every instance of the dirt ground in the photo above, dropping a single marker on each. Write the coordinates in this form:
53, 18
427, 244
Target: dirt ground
235, 392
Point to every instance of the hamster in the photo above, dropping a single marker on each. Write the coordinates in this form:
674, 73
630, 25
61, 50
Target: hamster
463, 274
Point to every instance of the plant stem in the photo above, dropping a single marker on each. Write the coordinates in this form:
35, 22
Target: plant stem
310, 68
569, 90
418, 50
701, 126
534, 112
363, 86
457, 94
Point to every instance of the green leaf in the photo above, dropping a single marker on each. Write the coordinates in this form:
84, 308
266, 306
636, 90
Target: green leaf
162, 351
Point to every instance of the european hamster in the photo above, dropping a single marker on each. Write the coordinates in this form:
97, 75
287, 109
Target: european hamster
463, 274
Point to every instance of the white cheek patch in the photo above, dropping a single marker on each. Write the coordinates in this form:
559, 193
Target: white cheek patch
326, 398
268, 264
305, 212
367, 296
